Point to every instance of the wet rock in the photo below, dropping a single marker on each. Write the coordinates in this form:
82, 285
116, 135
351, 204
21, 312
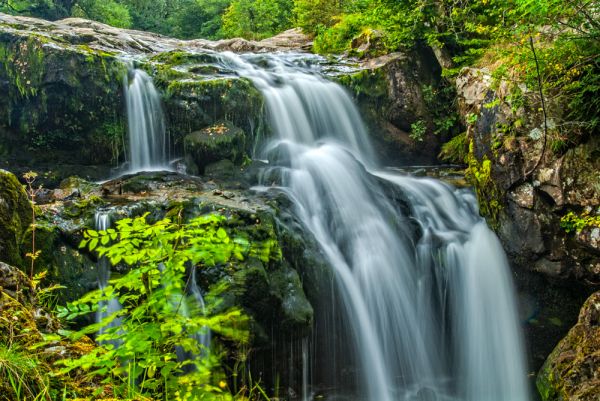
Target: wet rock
572, 371
15, 218
394, 92
212, 144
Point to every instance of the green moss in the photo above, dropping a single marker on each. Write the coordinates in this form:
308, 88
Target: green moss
456, 149
24, 65
15, 218
84, 208
488, 195
176, 57
370, 83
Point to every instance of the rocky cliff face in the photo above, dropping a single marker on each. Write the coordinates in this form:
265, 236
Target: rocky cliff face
63, 112
530, 186
543, 200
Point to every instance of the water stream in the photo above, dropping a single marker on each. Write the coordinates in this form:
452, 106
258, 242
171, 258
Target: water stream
148, 141
423, 289
106, 309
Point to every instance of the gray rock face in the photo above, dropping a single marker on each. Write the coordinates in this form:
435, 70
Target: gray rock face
396, 92
554, 269
532, 201
213, 144
78, 31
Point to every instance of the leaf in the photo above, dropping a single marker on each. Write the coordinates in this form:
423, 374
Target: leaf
221, 233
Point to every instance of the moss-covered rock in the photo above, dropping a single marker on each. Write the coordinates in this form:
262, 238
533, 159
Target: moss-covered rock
63, 103
218, 142
572, 371
525, 191
15, 218
406, 104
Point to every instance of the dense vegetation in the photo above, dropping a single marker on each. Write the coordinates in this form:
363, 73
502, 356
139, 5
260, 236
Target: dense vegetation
503, 33
552, 46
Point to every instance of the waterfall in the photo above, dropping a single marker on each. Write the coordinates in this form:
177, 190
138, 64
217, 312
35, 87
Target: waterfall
423, 295
148, 141
105, 309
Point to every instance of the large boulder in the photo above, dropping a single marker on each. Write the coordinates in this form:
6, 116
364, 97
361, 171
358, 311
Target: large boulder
15, 218
407, 106
572, 371
218, 142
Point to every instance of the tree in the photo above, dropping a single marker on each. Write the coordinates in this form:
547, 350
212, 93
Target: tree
257, 19
106, 11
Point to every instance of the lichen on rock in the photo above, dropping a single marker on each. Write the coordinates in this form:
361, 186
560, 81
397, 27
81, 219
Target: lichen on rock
572, 371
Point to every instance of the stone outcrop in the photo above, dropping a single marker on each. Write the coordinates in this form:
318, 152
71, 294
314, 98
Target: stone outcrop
539, 200
270, 286
65, 113
15, 218
528, 187
399, 94
572, 371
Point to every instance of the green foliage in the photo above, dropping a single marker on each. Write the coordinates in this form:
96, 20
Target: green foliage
572, 222
456, 149
109, 12
418, 130
157, 317
488, 195
313, 15
20, 375
338, 38
257, 19
50, 9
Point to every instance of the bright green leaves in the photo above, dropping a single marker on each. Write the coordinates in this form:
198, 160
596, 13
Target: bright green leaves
572, 222
138, 341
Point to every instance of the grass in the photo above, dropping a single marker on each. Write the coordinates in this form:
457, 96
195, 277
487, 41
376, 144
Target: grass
20, 377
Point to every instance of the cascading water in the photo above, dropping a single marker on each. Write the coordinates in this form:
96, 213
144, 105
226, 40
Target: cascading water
106, 309
148, 141
425, 293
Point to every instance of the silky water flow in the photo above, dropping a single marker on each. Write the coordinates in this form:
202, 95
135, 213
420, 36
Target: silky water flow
423, 293
148, 141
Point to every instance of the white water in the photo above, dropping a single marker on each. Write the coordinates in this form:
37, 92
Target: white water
148, 141
105, 309
426, 296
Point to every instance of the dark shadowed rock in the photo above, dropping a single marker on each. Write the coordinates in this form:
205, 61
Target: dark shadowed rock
15, 218
572, 371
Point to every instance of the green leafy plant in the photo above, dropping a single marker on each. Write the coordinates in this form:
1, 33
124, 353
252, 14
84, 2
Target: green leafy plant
32, 192
418, 130
572, 222
158, 318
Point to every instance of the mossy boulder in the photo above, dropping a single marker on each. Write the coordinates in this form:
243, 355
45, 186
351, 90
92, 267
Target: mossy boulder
63, 103
15, 218
400, 94
215, 143
572, 371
